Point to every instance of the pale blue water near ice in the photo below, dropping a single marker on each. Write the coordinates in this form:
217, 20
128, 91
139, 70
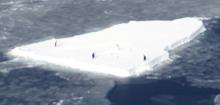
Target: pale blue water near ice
192, 79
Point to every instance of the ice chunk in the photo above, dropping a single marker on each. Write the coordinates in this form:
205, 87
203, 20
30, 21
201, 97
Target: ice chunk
217, 100
123, 50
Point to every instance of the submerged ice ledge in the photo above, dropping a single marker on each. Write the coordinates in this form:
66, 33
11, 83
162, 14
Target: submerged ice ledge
122, 50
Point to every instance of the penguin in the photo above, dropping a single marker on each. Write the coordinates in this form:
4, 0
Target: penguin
93, 55
145, 58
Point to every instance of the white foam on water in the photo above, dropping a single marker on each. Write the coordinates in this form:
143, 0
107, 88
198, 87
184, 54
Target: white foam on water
123, 50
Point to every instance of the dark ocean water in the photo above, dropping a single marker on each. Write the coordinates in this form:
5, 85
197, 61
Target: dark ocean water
193, 78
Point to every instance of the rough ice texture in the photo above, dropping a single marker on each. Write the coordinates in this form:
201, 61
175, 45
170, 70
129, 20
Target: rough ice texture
123, 50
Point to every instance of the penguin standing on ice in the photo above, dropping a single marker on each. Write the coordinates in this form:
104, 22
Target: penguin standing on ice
93, 55
145, 58
55, 43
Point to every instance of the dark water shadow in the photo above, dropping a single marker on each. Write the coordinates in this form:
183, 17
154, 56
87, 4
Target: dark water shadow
176, 91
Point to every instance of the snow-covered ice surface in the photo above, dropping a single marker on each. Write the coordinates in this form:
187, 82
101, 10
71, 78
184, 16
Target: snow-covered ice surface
127, 49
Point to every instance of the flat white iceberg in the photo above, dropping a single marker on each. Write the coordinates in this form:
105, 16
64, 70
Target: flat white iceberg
122, 50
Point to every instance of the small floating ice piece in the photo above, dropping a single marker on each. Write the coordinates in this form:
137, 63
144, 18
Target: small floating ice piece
122, 50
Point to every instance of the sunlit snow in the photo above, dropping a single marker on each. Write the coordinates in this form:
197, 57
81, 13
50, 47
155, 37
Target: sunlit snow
122, 50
